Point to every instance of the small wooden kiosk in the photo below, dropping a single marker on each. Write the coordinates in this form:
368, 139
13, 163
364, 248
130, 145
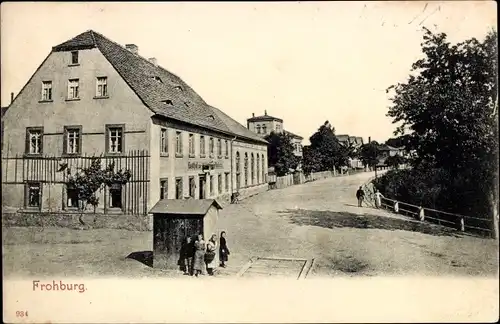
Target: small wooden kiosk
176, 219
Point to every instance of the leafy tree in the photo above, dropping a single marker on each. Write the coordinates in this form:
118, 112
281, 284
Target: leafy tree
369, 154
448, 110
394, 161
89, 181
325, 151
280, 153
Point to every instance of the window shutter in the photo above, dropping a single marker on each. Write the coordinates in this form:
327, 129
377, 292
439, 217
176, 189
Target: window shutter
41, 141
65, 140
27, 141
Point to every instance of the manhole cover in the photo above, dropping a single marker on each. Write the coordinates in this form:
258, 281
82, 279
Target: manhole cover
276, 267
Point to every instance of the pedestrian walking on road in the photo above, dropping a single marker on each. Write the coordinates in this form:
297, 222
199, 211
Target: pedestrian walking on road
360, 194
210, 254
378, 199
223, 250
199, 256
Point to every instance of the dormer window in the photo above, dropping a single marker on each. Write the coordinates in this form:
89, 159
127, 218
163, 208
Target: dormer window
211, 117
74, 57
158, 79
168, 102
186, 104
179, 88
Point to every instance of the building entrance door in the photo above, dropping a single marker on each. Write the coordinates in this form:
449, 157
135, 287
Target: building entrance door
202, 186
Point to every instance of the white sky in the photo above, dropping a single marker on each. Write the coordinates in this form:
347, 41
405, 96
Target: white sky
303, 62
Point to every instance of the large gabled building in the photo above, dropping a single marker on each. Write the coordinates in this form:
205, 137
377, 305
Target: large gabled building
93, 97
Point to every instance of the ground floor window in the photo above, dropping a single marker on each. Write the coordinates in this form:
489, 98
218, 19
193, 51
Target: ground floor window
33, 194
163, 189
211, 185
178, 188
115, 196
219, 183
72, 197
192, 187
238, 180
227, 181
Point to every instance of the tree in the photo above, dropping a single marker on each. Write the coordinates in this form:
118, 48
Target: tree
369, 154
325, 151
280, 153
448, 110
394, 161
90, 180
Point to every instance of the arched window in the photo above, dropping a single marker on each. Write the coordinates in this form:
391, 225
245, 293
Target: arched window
258, 129
263, 169
264, 129
258, 168
246, 169
238, 175
252, 169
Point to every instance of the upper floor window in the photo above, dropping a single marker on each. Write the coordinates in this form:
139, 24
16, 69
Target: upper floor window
178, 143
178, 188
227, 149
191, 144
264, 129
278, 128
34, 140
46, 90
219, 147
73, 89
258, 129
115, 138
163, 141
74, 57
211, 145
72, 140
102, 87
202, 145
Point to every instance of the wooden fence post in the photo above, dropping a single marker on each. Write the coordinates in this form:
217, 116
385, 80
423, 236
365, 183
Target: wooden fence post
396, 207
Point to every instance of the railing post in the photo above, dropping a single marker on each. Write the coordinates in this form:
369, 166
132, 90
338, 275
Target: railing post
396, 207
421, 214
462, 224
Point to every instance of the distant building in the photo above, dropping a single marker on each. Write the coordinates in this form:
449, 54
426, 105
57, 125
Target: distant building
266, 124
356, 142
385, 151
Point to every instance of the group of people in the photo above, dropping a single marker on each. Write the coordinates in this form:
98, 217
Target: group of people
199, 257
360, 195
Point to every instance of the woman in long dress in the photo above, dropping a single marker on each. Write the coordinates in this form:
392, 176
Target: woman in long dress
210, 255
199, 256
223, 250
378, 199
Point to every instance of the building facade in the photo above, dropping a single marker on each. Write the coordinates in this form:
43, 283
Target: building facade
94, 97
266, 124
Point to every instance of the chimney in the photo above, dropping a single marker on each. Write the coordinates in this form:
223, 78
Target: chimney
153, 60
133, 48
369, 139
265, 112
253, 114
11, 97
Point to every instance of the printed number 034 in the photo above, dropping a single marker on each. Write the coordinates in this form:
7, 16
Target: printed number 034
22, 313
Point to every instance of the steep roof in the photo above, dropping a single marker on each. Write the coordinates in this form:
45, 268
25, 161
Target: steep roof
4, 109
184, 206
294, 135
163, 92
235, 127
